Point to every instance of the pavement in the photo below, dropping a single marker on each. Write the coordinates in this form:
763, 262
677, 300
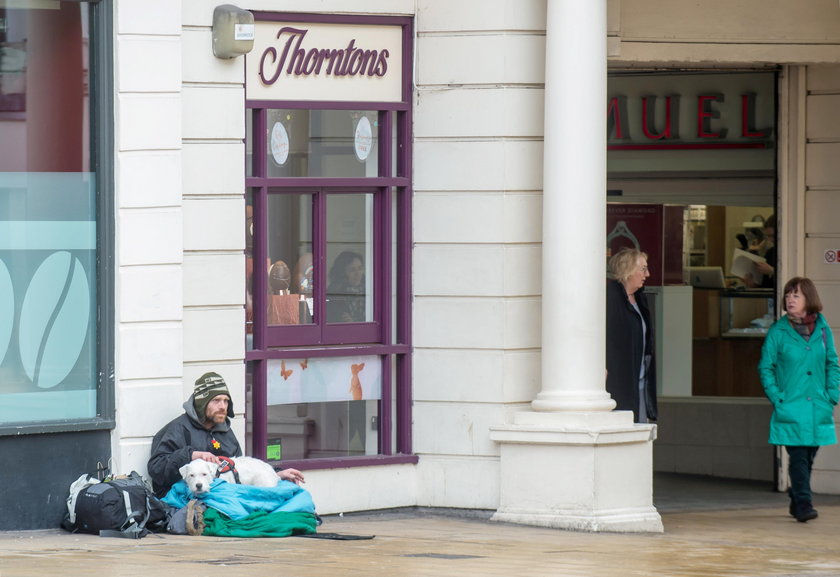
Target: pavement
713, 528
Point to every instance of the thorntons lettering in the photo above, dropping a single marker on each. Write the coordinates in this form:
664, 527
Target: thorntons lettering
300, 61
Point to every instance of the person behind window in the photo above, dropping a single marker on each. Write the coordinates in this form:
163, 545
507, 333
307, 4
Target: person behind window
346, 289
766, 247
202, 432
631, 374
303, 275
801, 377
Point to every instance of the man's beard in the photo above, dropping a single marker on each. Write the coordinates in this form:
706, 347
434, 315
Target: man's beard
217, 418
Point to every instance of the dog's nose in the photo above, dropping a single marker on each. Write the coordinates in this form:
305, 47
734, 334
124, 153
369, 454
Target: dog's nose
198, 486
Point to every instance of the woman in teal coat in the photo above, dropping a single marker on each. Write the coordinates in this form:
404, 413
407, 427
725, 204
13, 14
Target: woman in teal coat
801, 377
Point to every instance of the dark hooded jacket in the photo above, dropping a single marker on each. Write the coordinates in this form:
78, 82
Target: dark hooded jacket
173, 445
624, 351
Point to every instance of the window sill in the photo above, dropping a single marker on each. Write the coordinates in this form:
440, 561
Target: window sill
346, 462
8, 430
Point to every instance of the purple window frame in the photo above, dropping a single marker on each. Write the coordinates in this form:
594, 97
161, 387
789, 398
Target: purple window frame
392, 193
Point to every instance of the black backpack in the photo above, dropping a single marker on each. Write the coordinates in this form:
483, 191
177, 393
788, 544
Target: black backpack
122, 506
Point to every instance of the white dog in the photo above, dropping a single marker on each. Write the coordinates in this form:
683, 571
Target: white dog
199, 474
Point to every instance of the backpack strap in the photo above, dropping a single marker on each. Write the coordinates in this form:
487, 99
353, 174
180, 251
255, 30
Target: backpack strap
123, 534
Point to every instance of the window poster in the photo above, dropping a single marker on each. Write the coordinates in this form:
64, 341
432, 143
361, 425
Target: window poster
324, 380
47, 297
637, 226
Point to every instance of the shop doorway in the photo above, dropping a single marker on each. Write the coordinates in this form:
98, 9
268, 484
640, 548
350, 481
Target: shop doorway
702, 145
710, 321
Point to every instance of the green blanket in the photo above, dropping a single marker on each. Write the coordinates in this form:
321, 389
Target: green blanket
259, 524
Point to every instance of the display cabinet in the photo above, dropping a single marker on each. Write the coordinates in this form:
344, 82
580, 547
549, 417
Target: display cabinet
746, 313
728, 329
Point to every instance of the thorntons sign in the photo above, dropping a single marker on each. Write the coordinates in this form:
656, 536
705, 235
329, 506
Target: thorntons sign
325, 62
294, 60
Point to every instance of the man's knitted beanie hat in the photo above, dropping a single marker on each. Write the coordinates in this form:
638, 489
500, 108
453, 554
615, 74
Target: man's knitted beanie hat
207, 386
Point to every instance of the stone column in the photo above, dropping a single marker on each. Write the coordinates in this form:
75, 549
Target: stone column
574, 214
571, 462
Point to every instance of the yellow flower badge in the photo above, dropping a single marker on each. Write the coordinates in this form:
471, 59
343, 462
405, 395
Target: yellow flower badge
216, 444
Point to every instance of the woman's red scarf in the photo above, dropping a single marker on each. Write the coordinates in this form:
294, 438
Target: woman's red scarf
806, 323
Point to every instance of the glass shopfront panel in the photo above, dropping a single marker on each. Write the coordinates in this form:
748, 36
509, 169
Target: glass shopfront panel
323, 407
291, 279
350, 250
48, 216
700, 150
330, 143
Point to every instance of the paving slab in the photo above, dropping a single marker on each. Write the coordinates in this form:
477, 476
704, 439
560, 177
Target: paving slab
752, 542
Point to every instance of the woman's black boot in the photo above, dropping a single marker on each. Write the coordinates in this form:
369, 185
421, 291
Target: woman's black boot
805, 512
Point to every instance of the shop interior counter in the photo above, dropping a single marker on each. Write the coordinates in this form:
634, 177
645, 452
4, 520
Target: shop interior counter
728, 330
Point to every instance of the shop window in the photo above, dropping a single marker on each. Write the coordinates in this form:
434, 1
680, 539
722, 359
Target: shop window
336, 143
290, 272
349, 247
320, 266
328, 212
309, 414
51, 247
715, 181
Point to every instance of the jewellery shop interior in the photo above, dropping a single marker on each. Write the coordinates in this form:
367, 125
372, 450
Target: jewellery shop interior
692, 182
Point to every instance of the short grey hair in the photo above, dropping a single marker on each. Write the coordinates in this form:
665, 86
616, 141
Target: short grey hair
623, 263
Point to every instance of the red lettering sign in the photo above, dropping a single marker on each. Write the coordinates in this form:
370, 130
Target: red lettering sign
649, 114
705, 115
711, 128
748, 129
617, 116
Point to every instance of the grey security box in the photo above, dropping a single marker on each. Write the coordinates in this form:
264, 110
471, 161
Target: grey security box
233, 31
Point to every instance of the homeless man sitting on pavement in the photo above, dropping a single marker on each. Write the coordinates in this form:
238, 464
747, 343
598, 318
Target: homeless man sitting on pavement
203, 432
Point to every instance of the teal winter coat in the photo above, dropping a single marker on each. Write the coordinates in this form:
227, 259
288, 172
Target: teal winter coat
802, 379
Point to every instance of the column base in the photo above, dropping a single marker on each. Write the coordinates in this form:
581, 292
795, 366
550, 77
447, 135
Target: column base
628, 521
577, 471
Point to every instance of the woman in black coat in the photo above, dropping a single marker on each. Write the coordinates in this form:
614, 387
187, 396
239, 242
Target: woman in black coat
631, 372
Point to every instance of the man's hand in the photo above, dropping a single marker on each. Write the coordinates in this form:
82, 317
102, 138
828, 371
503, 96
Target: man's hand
764, 268
206, 456
292, 475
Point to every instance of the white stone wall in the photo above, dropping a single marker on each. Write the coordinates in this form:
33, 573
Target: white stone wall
719, 32
821, 222
213, 119
149, 224
477, 231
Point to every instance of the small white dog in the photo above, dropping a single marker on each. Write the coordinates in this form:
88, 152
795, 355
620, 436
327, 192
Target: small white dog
199, 474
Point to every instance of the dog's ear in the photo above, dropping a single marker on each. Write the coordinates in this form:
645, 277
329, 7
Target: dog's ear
184, 470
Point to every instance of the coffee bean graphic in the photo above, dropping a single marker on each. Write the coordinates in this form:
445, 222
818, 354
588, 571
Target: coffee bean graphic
54, 319
7, 310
